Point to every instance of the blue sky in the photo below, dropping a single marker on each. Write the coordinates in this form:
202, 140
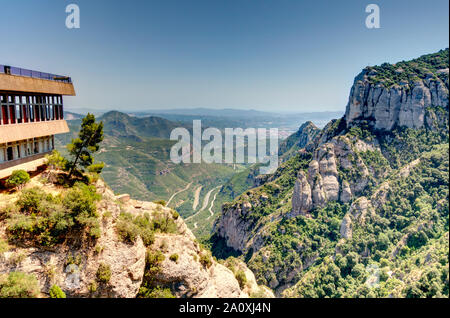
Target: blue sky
251, 54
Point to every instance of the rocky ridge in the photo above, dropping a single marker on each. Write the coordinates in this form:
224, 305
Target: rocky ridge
74, 269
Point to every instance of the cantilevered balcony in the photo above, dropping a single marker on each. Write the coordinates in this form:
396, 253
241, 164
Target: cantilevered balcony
14, 79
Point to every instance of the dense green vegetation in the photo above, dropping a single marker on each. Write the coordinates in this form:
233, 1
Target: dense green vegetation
56, 292
411, 71
40, 218
399, 247
149, 287
18, 285
129, 227
18, 179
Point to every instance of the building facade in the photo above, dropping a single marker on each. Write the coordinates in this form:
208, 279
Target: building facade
31, 114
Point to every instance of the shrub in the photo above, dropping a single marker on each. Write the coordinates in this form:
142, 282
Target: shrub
47, 218
156, 292
30, 199
103, 273
56, 292
18, 179
80, 201
174, 257
129, 228
56, 160
153, 261
18, 285
175, 214
162, 202
164, 223
92, 287
241, 278
205, 259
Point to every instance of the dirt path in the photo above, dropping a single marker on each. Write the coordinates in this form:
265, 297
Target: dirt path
182, 190
196, 198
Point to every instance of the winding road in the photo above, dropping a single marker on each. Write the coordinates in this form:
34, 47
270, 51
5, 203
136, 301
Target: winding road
212, 205
182, 190
205, 205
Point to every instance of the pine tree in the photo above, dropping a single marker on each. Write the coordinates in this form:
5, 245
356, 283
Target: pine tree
87, 143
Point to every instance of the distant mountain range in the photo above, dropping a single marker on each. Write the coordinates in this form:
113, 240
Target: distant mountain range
224, 118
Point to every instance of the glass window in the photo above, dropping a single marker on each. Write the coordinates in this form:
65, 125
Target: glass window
18, 112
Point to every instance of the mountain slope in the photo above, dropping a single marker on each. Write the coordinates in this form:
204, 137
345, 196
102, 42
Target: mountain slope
136, 152
141, 249
326, 218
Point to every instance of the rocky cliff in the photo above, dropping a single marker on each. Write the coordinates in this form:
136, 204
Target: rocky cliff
332, 205
399, 94
184, 267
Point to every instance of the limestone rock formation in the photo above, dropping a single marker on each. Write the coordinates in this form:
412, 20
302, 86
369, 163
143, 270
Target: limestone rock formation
346, 227
346, 193
301, 200
74, 268
403, 104
322, 183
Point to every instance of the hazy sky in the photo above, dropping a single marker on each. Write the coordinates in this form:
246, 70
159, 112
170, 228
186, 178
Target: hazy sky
266, 55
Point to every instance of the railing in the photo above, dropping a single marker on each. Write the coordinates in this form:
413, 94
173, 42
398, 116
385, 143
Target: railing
10, 70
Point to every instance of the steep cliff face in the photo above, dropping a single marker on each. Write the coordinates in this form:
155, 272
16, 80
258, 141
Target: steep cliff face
339, 200
399, 95
184, 267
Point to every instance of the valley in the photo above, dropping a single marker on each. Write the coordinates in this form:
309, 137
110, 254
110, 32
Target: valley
136, 151
364, 190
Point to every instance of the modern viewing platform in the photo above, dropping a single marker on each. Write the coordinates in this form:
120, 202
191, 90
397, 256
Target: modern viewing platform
15, 79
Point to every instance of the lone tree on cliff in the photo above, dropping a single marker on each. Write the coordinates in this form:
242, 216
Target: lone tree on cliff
87, 143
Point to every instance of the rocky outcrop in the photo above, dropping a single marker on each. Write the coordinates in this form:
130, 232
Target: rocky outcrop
304, 137
233, 227
346, 227
402, 104
306, 134
346, 193
74, 268
301, 200
321, 183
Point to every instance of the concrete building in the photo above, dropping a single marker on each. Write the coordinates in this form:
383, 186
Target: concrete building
31, 114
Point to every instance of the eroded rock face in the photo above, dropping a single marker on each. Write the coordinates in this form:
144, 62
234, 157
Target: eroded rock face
321, 182
233, 227
301, 200
346, 227
402, 105
74, 269
346, 193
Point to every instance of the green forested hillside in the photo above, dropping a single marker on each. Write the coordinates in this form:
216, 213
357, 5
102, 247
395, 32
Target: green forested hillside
137, 156
360, 212
136, 151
